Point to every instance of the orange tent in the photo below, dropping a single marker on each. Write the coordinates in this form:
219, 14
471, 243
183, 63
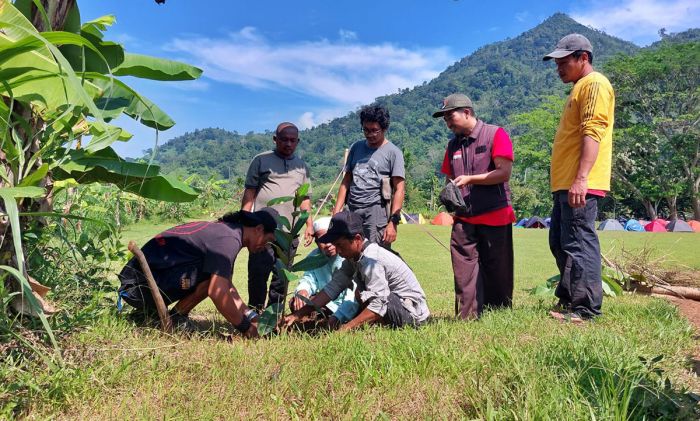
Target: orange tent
442, 218
695, 225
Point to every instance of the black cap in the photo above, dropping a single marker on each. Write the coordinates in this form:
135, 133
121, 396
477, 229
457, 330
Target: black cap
268, 217
343, 224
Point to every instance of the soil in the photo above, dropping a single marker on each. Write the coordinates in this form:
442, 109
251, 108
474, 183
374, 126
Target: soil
691, 310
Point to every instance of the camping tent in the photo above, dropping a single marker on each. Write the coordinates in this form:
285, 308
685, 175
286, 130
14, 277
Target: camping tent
442, 218
655, 226
678, 225
412, 218
662, 221
633, 225
521, 223
536, 222
610, 225
695, 225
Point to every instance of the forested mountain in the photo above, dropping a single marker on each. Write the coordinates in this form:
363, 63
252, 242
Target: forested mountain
503, 79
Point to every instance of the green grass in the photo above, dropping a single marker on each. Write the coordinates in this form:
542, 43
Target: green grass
512, 364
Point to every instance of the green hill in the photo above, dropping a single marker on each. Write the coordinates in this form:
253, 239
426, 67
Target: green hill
503, 79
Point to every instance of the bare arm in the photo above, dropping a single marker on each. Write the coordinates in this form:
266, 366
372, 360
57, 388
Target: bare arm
499, 175
365, 316
309, 232
320, 300
248, 199
398, 185
579, 188
226, 299
342, 192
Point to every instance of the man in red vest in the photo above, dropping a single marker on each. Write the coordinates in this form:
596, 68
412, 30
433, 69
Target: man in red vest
479, 160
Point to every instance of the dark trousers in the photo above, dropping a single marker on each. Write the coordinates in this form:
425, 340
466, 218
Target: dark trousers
374, 222
574, 244
260, 265
482, 261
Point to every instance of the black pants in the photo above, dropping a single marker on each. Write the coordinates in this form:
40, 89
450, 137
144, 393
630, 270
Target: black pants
260, 265
574, 244
482, 262
173, 284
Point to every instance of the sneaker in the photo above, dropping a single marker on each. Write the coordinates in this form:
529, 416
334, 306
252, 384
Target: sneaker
564, 317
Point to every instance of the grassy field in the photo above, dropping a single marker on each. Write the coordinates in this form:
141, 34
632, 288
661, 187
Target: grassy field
631, 363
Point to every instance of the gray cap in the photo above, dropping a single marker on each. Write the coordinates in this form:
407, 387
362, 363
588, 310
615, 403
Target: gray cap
453, 102
569, 44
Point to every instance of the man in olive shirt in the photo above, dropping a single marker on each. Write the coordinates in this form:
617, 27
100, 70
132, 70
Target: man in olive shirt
274, 174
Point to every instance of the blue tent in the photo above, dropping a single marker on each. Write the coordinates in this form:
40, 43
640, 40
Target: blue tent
536, 222
521, 223
633, 225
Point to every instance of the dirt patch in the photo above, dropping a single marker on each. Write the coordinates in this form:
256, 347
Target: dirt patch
691, 310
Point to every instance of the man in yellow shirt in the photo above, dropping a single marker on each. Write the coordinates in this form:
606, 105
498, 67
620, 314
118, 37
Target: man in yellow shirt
579, 176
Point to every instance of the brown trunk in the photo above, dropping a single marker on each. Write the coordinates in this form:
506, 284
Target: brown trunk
682, 292
650, 208
672, 202
695, 198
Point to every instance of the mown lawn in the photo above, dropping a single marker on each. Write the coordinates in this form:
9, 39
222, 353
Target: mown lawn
514, 364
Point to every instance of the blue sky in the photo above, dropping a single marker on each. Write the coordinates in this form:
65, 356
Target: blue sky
308, 61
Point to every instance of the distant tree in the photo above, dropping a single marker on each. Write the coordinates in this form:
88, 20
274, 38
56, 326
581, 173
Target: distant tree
657, 149
533, 133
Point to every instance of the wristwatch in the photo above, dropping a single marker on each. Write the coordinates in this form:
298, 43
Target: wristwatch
251, 314
395, 218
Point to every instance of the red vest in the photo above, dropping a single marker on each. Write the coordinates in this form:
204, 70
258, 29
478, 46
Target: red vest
472, 155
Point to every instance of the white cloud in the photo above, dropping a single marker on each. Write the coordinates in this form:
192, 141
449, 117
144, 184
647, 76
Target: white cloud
522, 16
347, 36
197, 85
640, 20
310, 119
343, 73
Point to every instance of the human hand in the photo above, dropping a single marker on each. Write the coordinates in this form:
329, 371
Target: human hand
297, 302
252, 331
308, 235
577, 193
389, 233
288, 321
333, 323
462, 180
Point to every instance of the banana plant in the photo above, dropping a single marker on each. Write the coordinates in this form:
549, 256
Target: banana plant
60, 86
284, 266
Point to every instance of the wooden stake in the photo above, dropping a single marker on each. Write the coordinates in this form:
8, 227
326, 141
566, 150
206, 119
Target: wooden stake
165, 323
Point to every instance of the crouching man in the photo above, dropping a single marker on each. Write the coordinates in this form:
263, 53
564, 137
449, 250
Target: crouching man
344, 307
386, 288
194, 261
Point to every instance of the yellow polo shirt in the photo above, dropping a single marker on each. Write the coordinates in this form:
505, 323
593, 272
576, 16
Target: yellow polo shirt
589, 111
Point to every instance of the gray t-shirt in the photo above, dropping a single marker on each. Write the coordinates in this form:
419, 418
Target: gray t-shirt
368, 167
377, 273
273, 176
